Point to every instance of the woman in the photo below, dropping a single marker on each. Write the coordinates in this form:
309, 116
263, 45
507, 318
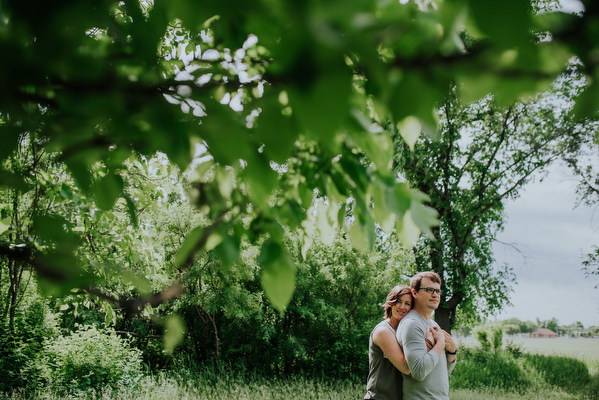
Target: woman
386, 360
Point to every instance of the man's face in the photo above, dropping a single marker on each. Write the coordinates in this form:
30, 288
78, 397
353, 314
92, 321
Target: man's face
426, 299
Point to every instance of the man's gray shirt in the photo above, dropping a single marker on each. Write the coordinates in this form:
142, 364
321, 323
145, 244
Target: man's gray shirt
429, 373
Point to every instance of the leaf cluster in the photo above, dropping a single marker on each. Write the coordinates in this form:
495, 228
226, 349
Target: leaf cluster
254, 86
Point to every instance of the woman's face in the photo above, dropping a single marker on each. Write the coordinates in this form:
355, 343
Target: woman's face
401, 308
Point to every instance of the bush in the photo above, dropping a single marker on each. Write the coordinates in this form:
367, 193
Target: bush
497, 338
567, 373
514, 349
22, 344
481, 369
90, 359
483, 338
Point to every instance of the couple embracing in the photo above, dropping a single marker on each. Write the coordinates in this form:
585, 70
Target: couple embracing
410, 357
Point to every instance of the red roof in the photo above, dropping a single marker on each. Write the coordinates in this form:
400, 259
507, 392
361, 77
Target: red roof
544, 331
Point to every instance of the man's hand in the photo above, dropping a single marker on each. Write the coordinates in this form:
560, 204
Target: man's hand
450, 347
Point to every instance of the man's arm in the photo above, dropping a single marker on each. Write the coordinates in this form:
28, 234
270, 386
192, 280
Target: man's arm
421, 362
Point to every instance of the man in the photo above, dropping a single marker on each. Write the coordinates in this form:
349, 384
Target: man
429, 370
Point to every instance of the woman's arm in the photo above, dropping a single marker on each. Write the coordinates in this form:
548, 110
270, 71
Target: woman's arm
450, 347
386, 340
430, 340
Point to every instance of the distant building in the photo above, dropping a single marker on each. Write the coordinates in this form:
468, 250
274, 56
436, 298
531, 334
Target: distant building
543, 333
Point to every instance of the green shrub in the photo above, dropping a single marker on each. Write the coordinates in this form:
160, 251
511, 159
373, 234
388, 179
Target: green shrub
91, 358
591, 391
481, 369
483, 338
514, 349
497, 333
567, 373
22, 344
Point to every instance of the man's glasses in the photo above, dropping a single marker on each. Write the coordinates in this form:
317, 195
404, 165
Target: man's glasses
431, 290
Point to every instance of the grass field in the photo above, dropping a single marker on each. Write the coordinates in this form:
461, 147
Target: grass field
164, 386
586, 350
583, 349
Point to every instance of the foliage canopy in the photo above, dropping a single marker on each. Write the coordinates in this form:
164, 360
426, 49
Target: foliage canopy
285, 102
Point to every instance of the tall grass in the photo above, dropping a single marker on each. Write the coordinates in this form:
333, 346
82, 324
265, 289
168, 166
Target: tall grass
516, 372
536, 393
230, 386
508, 374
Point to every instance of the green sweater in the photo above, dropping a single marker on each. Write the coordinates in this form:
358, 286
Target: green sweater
429, 377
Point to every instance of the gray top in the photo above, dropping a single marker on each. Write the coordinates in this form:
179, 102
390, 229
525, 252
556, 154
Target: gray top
429, 377
384, 380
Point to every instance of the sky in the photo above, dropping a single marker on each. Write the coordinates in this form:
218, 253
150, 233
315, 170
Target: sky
552, 237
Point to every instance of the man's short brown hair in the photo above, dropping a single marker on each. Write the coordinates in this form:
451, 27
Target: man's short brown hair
417, 279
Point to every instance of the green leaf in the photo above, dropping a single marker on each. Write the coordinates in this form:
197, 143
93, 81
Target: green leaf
291, 213
278, 274
261, 177
322, 106
109, 315
409, 129
228, 250
4, 225
327, 221
80, 172
138, 281
132, 210
58, 272
427, 89
107, 190
382, 213
189, 245
275, 130
505, 22
55, 229
362, 232
423, 216
66, 192
226, 181
407, 231
213, 240
587, 103
174, 331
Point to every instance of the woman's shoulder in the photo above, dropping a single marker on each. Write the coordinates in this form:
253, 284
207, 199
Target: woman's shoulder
382, 329
383, 326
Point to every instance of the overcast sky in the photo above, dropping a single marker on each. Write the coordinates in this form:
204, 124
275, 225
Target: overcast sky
553, 237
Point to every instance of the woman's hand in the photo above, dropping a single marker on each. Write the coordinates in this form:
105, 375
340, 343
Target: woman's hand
439, 338
450, 347
430, 340
438, 335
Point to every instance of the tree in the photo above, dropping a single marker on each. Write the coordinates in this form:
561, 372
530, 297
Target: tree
582, 163
484, 156
281, 120
22, 212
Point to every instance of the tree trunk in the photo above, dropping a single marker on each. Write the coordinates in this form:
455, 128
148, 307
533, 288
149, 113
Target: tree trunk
15, 274
444, 317
210, 318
